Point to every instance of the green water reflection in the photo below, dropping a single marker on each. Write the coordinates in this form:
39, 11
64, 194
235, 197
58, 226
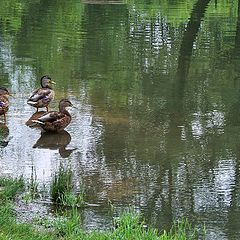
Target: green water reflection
156, 85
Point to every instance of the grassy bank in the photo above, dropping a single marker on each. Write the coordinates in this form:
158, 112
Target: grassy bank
128, 226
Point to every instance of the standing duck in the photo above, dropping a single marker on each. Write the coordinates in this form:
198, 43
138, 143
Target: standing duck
55, 121
41, 97
4, 102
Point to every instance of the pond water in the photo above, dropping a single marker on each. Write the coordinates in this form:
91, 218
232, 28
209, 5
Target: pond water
156, 86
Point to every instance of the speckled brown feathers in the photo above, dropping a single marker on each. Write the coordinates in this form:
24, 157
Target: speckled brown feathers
41, 97
55, 121
4, 102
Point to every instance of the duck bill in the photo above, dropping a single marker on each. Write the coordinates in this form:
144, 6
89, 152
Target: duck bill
9, 94
52, 82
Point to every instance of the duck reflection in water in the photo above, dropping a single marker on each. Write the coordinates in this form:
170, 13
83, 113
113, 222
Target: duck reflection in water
4, 135
54, 141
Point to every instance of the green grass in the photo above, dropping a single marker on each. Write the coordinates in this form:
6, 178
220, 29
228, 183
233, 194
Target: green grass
62, 189
9, 228
129, 226
10, 187
31, 191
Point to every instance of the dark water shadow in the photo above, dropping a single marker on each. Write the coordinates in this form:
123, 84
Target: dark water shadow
4, 135
236, 50
186, 48
178, 118
55, 141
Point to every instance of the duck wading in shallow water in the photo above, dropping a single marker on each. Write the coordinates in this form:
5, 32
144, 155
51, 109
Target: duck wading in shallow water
55, 121
4, 102
41, 97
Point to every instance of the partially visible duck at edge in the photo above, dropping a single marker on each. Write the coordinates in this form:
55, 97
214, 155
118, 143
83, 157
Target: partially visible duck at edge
55, 121
41, 97
4, 102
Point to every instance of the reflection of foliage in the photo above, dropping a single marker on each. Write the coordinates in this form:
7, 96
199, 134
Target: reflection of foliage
164, 8
11, 13
125, 55
60, 42
176, 12
53, 26
58, 31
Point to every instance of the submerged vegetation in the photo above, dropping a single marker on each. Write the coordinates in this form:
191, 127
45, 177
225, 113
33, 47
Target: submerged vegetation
128, 226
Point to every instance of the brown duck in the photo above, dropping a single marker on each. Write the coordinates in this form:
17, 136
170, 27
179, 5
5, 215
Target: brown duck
41, 97
4, 102
55, 121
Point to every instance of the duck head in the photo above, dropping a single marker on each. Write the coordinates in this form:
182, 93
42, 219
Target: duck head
4, 92
46, 81
64, 103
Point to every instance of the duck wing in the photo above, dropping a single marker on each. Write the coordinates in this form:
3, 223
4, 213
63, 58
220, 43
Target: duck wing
4, 103
51, 117
40, 94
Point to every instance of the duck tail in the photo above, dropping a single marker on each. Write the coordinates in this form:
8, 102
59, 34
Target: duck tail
39, 122
32, 103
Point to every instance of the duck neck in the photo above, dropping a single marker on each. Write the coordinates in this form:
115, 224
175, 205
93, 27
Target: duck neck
62, 109
46, 86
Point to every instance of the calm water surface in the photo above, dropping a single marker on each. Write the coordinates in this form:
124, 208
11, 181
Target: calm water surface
156, 86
